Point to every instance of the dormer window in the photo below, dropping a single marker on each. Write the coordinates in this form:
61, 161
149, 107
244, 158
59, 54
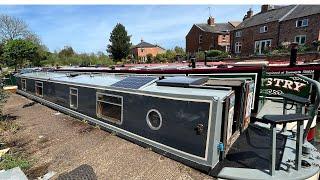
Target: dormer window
302, 23
200, 38
263, 29
238, 33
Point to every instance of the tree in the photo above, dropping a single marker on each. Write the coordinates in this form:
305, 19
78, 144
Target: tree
170, 55
149, 58
19, 52
316, 45
179, 50
119, 46
67, 51
14, 28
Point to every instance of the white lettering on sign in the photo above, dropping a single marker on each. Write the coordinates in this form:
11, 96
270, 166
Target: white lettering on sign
287, 84
269, 81
284, 83
298, 85
277, 81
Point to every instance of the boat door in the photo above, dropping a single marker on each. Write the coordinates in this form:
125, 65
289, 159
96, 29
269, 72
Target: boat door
230, 132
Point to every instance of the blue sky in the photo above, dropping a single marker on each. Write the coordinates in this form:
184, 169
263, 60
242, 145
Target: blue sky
87, 27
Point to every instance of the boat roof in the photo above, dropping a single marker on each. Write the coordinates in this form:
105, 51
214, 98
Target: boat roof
133, 82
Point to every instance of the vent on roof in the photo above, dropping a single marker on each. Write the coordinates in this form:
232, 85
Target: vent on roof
133, 82
182, 81
73, 74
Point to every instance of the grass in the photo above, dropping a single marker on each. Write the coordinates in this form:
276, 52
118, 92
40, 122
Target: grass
9, 161
8, 126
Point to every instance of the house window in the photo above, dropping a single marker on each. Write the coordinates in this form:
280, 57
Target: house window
261, 46
224, 38
301, 39
23, 84
109, 107
142, 49
73, 97
227, 48
238, 47
263, 29
302, 23
39, 88
238, 33
200, 38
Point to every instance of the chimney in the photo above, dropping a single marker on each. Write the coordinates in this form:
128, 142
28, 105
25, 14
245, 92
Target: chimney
141, 40
210, 21
244, 17
266, 8
248, 15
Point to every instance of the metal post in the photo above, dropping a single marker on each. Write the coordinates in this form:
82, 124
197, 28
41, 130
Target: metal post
284, 112
299, 108
299, 142
205, 58
273, 149
293, 54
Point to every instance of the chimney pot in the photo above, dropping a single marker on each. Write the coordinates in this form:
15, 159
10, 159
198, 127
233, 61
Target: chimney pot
210, 21
266, 8
248, 15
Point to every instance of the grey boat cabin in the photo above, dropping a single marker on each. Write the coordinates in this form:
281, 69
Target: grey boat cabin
199, 121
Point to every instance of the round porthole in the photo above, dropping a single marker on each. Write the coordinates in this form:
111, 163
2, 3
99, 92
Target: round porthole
154, 119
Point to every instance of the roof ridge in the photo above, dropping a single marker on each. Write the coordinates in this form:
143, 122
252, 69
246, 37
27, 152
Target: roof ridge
287, 14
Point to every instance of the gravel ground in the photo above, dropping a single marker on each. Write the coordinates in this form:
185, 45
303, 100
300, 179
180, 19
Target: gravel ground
57, 142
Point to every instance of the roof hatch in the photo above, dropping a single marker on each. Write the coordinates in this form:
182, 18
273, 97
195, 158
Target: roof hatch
182, 81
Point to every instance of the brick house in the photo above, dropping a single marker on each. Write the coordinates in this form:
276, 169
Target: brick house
141, 50
274, 26
210, 35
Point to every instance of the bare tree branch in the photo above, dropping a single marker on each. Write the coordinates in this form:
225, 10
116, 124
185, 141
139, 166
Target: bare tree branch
15, 28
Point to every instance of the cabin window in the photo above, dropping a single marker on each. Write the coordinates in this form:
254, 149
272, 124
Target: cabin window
39, 88
23, 84
154, 119
302, 23
73, 96
109, 107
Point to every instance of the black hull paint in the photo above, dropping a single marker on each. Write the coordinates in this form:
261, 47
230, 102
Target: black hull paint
177, 132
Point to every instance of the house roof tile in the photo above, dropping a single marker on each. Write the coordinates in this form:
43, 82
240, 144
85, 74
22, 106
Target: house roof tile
144, 44
280, 13
216, 28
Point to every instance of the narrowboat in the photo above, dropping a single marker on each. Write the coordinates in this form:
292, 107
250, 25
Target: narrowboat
200, 120
270, 81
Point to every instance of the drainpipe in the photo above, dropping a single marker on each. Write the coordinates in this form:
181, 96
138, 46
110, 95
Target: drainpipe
293, 54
